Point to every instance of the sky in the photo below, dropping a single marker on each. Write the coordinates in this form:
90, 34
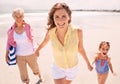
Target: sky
7, 5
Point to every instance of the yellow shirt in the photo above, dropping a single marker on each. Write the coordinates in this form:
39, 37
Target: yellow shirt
65, 56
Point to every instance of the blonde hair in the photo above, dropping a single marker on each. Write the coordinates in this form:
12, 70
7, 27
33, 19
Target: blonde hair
18, 11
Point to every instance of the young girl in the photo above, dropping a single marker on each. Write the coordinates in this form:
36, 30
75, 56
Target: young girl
66, 43
103, 63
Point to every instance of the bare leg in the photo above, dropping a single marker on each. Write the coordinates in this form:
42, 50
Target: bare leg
68, 82
40, 79
102, 78
59, 81
27, 82
62, 81
39, 75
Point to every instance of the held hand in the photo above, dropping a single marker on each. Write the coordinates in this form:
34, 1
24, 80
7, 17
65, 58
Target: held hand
36, 53
90, 67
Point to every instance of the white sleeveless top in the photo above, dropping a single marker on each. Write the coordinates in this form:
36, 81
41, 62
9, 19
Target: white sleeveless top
24, 46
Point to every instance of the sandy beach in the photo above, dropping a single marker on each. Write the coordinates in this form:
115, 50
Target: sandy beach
96, 28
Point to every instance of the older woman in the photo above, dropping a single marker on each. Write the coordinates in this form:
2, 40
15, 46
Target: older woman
19, 36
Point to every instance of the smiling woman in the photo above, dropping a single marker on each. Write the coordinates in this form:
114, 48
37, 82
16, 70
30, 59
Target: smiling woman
66, 43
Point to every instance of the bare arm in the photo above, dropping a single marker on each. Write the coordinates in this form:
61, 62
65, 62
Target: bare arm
110, 65
7, 47
96, 57
6, 56
81, 49
94, 60
45, 41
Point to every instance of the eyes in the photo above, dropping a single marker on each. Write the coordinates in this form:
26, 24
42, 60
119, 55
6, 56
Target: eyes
105, 49
18, 16
63, 17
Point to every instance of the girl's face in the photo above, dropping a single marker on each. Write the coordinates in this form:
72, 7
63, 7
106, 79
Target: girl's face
18, 18
61, 18
104, 49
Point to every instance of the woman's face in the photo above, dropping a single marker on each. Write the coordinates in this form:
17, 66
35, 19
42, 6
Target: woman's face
61, 18
18, 18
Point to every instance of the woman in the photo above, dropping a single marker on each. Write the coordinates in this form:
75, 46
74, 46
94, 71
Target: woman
66, 43
19, 36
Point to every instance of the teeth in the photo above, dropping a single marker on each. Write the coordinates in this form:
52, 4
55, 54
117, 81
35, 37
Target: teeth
61, 24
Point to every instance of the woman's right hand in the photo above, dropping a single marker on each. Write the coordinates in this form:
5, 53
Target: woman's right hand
90, 67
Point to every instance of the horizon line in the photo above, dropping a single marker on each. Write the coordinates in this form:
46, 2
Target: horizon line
87, 10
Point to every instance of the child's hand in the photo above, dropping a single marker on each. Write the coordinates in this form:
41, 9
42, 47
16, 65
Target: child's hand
114, 74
